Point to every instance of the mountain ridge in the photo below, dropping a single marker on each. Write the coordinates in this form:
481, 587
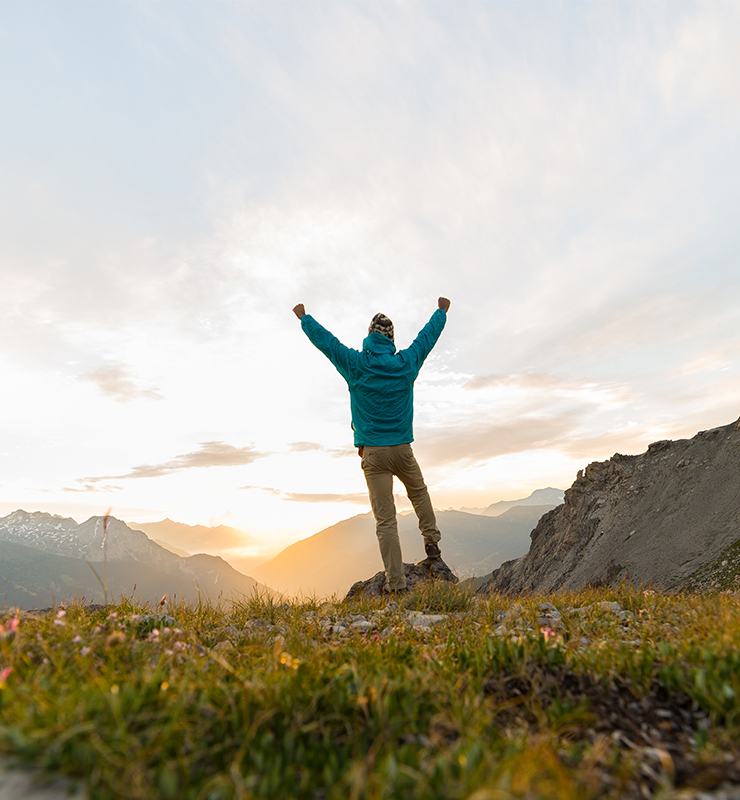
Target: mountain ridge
657, 519
539, 497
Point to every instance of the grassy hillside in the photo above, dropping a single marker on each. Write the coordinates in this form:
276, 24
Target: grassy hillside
447, 695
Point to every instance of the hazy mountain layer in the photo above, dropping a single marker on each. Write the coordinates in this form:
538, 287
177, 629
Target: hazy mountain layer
195, 538
240, 549
659, 518
330, 561
539, 497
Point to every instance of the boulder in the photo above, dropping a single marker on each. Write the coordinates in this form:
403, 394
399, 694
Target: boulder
427, 570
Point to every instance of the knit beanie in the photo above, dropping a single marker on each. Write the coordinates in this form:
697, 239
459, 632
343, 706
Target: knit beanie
381, 324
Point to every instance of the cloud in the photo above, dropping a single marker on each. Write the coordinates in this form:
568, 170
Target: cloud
470, 444
307, 447
358, 498
473, 419
93, 487
312, 497
534, 381
354, 498
115, 381
304, 447
211, 454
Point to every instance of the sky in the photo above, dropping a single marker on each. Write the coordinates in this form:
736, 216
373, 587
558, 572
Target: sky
175, 177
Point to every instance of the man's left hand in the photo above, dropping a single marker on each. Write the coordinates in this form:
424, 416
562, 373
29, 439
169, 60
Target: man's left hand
299, 310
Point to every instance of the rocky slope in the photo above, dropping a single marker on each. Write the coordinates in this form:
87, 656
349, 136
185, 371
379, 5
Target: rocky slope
659, 519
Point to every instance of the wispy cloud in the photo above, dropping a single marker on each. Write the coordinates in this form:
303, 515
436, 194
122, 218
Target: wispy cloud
544, 383
358, 498
115, 381
308, 447
470, 444
210, 454
353, 498
92, 487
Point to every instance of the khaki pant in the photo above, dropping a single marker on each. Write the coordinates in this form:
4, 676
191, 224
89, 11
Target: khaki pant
380, 464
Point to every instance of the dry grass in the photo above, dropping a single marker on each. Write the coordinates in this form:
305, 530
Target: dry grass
269, 700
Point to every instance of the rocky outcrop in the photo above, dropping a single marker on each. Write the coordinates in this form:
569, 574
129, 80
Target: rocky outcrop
427, 570
655, 519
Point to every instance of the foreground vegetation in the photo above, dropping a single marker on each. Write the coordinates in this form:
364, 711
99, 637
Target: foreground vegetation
599, 694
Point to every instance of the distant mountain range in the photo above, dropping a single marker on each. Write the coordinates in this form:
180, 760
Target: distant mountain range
42, 556
330, 561
539, 497
42, 562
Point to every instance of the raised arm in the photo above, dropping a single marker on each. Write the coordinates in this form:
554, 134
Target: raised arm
339, 355
420, 348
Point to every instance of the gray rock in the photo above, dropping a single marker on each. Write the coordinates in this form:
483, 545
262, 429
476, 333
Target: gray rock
23, 783
416, 574
230, 632
334, 628
256, 625
421, 621
605, 606
550, 616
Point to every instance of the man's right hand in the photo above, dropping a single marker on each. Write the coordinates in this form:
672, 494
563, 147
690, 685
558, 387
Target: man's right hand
443, 303
300, 309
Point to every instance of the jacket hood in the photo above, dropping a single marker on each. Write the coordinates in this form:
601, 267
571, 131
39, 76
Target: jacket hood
377, 343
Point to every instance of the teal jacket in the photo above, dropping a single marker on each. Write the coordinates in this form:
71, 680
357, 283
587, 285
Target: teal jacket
380, 380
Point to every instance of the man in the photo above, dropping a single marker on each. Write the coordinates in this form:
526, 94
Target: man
381, 391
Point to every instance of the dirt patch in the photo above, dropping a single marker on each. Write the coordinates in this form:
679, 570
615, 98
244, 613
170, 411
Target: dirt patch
659, 727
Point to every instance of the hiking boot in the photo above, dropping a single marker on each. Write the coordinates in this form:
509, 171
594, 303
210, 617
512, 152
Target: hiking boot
388, 590
431, 548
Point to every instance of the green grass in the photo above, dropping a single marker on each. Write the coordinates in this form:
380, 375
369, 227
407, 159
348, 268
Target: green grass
267, 701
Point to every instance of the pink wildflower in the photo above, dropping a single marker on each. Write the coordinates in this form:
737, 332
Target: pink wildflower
648, 592
4, 674
547, 632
